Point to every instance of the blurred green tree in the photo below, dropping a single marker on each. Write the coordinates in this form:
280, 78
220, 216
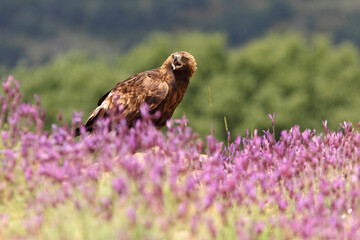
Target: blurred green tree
68, 83
303, 81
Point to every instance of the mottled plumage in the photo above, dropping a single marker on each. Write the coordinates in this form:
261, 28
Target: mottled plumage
161, 88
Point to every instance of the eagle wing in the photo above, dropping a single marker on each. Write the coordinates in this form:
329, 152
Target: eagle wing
103, 98
147, 87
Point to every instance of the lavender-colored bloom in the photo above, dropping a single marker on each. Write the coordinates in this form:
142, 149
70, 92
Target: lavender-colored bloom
119, 186
131, 215
282, 204
272, 117
211, 227
182, 210
303, 185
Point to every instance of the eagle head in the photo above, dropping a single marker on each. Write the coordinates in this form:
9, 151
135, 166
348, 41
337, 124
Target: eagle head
182, 62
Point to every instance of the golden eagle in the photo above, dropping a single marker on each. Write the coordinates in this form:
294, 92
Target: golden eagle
162, 89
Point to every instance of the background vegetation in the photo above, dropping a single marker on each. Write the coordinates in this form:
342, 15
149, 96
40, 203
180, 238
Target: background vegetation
305, 81
71, 52
36, 30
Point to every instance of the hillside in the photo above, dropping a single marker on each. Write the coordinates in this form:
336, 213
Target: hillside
36, 31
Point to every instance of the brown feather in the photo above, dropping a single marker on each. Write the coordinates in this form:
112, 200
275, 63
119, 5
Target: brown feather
103, 98
162, 89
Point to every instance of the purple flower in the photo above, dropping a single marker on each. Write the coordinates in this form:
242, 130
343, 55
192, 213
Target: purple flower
211, 227
259, 226
182, 210
305, 185
131, 215
324, 123
282, 204
272, 117
119, 186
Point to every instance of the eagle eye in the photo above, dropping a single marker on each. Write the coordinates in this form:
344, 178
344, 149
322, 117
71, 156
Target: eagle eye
184, 59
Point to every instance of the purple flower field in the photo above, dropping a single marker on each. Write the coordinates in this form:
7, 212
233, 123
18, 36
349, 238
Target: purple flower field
142, 183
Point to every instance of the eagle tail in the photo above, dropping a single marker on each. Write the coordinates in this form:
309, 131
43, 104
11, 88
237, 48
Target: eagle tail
77, 132
89, 125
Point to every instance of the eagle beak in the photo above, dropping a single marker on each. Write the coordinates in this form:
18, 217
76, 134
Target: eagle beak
176, 62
